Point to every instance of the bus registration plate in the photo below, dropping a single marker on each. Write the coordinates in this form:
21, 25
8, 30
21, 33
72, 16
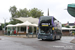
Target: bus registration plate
44, 25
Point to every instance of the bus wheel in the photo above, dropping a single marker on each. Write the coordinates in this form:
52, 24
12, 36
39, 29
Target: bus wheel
54, 38
43, 39
59, 38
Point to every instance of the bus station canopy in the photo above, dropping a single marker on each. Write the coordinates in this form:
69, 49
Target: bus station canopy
18, 24
10, 25
64, 28
30, 19
71, 9
27, 23
34, 25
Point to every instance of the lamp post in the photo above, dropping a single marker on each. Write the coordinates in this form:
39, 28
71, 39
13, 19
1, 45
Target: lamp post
48, 12
4, 25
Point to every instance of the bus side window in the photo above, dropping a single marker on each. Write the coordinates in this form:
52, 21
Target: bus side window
54, 21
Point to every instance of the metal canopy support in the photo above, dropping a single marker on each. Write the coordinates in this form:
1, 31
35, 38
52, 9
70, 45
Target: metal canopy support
26, 29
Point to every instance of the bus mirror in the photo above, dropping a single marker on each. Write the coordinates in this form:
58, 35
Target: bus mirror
53, 28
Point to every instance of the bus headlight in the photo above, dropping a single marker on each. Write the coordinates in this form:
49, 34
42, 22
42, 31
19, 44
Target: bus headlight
53, 28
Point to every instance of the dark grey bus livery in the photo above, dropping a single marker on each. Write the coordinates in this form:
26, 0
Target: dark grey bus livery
49, 28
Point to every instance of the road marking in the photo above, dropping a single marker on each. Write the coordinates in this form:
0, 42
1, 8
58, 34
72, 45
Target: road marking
64, 47
66, 42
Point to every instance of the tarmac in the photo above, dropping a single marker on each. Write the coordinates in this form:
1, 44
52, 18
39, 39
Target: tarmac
72, 40
22, 36
13, 43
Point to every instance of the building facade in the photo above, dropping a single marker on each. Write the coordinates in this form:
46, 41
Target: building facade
68, 31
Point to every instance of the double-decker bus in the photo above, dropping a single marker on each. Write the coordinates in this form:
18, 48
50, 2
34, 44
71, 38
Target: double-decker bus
49, 28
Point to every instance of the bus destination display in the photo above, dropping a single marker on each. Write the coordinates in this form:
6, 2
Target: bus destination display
45, 24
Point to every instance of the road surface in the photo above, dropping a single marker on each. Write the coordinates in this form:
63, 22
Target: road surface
13, 43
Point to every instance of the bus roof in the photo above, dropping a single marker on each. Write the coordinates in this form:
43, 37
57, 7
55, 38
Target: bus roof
46, 16
49, 16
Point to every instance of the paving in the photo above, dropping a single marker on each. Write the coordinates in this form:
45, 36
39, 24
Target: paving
72, 41
14, 43
22, 36
67, 39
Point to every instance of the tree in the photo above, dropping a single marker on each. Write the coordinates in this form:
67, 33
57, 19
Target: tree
36, 12
13, 11
67, 26
63, 25
23, 13
15, 21
2, 25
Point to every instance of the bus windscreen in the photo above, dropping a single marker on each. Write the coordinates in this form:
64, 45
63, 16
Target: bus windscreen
45, 23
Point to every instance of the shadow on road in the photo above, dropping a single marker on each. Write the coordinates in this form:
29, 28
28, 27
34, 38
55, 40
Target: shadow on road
48, 40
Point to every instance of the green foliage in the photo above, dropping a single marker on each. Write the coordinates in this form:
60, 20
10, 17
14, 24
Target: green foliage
73, 27
73, 32
2, 25
22, 13
13, 10
15, 21
36, 12
63, 25
67, 26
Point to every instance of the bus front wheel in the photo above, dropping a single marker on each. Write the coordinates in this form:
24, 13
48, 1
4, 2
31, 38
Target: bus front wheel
59, 38
54, 38
43, 39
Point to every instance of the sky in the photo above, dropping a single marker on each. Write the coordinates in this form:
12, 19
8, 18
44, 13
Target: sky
56, 8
